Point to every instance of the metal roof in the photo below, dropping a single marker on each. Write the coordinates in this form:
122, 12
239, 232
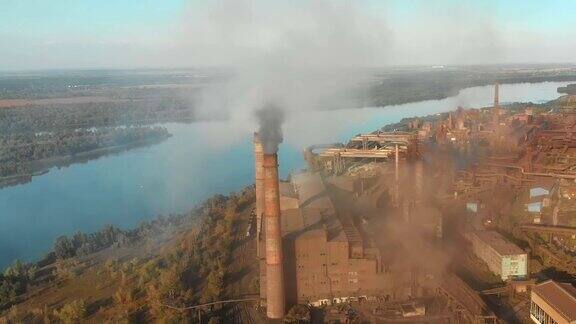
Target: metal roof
499, 243
560, 296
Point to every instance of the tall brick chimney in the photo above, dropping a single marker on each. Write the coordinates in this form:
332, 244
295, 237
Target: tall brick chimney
496, 109
396, 175
259, 184
275, 292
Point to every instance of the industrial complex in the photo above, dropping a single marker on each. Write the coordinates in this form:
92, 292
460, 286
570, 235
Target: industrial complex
438, 219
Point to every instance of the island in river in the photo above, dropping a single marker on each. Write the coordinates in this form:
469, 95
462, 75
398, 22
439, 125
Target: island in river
25, 155
570, 89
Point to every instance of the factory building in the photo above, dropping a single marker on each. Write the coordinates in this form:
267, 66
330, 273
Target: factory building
502, 257
332, 262
308, 252
539, 196
325, 258
553, 302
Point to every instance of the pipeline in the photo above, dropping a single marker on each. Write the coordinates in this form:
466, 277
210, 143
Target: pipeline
537, 174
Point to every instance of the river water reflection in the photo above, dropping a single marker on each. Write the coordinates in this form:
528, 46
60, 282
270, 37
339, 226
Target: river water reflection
200, 160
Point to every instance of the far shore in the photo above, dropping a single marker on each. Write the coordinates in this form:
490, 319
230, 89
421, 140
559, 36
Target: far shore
42, 167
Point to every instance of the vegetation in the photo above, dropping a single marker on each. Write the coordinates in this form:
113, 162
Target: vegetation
399, 87
196, 271
194, 268
569, 89
72, 312
27, 153
81, 83
81, 244
86, 111
72, 116
14, 282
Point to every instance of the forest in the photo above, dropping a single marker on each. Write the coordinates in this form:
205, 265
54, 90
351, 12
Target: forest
411, 86
55, 117
569, 89
28, 153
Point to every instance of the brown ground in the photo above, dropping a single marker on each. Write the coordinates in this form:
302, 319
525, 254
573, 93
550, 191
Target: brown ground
10, 103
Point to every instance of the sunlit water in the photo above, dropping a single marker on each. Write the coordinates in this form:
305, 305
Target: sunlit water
200, 160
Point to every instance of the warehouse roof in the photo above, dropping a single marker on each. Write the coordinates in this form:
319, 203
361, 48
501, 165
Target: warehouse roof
312, 192
560, 296
499, 243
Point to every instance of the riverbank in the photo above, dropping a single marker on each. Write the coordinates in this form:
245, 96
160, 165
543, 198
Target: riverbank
412, 86
127, 263
200, 160
95, 154
42, 167
569, 89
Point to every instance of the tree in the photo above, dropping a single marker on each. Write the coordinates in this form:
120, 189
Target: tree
64, 248
16, 270
10, 287
148, 271
214, 285
79, 239
72, 312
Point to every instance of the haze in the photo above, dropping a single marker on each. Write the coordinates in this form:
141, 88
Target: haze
42, 34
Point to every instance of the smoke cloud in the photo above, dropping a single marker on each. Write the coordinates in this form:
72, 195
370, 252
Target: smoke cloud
287, 58
215, 32
270, 118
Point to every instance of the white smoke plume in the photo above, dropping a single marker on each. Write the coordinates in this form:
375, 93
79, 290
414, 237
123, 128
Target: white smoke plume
297, 56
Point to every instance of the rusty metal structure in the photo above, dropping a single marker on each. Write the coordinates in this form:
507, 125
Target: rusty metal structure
275, 290
381, 146
464, 302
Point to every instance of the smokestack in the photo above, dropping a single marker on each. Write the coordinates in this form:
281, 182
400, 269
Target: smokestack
396, 174
496, 95
496, 109
275, 303
259, 184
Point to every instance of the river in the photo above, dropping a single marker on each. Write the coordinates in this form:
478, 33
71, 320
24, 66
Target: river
200, 160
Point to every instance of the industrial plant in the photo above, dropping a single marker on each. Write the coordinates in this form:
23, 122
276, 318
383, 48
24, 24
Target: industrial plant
439, 219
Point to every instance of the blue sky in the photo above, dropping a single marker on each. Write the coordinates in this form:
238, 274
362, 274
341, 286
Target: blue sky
116, 33
49, 19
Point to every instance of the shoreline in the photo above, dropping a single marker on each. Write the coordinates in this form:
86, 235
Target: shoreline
42, 167
5, 103
95, 154
190, 217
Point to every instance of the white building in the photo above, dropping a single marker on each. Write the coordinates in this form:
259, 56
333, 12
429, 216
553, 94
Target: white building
540, 196
502, 257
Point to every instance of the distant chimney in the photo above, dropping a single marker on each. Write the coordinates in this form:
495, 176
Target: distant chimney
259, 184
496, 95
275, 304
496, 109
